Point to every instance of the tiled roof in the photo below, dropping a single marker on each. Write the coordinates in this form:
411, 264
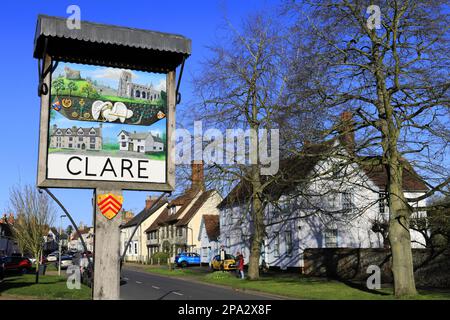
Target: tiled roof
411, 180
144, 214
295, 170
194, 208
183, 201
212, 226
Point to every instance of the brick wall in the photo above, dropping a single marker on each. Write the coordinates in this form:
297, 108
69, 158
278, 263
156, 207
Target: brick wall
430, 269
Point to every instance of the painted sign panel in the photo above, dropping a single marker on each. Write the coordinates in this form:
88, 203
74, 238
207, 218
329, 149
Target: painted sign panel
107, 124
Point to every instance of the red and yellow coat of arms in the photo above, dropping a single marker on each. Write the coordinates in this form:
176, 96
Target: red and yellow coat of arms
109, 204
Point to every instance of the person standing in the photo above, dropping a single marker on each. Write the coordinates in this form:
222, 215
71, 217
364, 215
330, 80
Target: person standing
223, 255
241, 265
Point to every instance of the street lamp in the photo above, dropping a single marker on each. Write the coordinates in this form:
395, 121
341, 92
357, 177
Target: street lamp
60, 243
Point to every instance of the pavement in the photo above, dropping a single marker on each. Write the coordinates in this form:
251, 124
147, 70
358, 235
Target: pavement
141, 285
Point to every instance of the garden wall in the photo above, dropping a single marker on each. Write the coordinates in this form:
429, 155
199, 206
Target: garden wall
430, 269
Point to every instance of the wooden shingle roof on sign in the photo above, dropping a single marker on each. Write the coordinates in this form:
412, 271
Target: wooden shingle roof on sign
110, 45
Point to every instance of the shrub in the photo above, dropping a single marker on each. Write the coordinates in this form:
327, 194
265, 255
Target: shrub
219, 275
162, 256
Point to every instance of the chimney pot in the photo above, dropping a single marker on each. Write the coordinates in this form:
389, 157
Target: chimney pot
346, 131
149, 202
198, 180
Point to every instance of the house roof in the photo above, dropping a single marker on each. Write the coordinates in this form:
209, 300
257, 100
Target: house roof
194, 208
183, 201
295, 170
82, 231
292, 171
144, 214
212, 226
74, 132
377, 173
141, 135
109, 45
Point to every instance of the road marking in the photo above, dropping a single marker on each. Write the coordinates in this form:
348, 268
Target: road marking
177, 293
155, 287
138, 282
126, 279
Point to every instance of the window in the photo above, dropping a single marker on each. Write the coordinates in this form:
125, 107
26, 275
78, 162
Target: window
124, 144
92, 132
173, 210
70, 145
138, 94
154, 148
139, 140
135, 248
92, 146
288, 239
149, 235
331, 238
123, 137
92, 139
382, 201
143, 94
80, 139
347, 201
180, 231
80, 132
276, 248
70, 139
171, 231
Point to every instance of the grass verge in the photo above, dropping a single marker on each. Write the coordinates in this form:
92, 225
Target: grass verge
297, 287
50, 287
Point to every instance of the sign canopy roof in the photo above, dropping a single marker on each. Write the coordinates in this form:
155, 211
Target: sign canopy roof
110, 45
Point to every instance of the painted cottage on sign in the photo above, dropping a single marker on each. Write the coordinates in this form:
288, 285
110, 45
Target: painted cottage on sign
76, 138
143, 142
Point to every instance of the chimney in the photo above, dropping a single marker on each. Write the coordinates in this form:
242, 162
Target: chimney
346, 131
198, 180
11, 219
149, 202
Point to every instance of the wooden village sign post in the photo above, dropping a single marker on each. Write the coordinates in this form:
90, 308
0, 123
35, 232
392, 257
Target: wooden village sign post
108, 97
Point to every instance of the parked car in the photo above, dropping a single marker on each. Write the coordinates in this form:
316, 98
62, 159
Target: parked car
52, 257
17, 264
66, 261
228, 264
185, 259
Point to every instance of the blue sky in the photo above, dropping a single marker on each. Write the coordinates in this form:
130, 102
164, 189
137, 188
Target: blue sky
110, 76
198, 20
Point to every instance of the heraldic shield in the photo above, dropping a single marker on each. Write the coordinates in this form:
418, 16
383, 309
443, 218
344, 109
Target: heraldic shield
109, 204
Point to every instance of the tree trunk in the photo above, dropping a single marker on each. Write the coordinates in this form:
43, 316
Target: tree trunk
255, 248
399, 236
37, 270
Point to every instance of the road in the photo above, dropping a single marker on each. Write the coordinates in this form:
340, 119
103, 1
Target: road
137, 285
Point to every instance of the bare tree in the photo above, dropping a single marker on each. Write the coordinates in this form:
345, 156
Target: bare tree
394, 79
35, 214
242, 86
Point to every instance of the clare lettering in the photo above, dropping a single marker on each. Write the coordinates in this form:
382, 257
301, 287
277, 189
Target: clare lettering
86, 169
142, 169
110, 169
68, 165
128, 167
